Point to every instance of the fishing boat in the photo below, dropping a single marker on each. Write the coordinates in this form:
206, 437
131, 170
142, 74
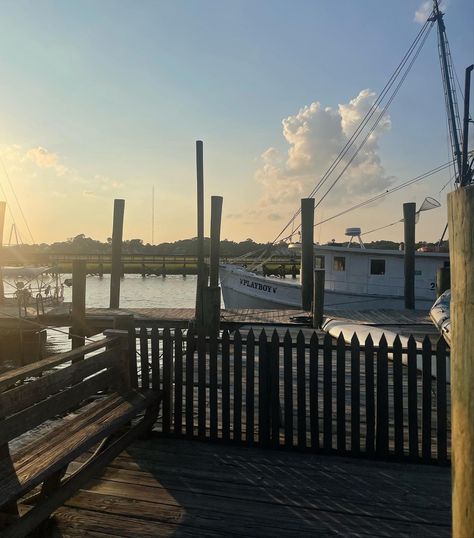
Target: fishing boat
357, 277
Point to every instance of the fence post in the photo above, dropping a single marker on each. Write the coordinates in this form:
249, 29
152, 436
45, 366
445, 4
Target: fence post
126, 322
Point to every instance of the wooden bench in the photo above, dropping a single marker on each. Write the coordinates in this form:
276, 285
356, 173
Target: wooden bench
88, 394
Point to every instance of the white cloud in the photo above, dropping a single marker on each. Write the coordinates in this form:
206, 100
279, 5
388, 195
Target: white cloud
423, 12
46, 159
316, 135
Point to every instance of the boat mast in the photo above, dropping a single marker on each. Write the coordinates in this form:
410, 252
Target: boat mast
449, 89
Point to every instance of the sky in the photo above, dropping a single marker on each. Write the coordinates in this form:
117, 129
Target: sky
105, 99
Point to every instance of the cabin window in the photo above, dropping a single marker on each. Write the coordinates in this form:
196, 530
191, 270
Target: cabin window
319, 262
377, 267
339, 263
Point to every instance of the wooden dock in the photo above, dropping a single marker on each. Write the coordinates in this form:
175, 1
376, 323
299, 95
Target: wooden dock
164, 487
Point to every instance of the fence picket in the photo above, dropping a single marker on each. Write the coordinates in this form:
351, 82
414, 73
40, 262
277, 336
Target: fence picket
426, 400
167, 384
412, 400
250, 389
327, 393
213, 397
341, 394
237, 387
274, 377
263, 393
201, 373
301, 389
398, 396
288, 388
155, 358
190, 347
178, 382
381, 443
355, 395
369, 396
225, 386
313, 391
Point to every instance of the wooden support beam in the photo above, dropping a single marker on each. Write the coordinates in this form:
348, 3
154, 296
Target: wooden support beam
307, 252
116, 271
201, 277
461, 246
409, 215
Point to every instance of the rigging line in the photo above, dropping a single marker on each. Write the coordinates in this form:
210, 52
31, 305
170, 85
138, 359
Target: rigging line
381, 227
16, 199
376, 123
371, 112
388, 192
385, 193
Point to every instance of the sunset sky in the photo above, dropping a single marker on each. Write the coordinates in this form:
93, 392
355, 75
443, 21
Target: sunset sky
105, 99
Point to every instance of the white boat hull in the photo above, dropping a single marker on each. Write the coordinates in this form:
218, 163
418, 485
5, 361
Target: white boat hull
243, 289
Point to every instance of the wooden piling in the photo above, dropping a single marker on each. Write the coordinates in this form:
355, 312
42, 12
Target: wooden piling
307, 253
201, 279
443, 280
461, 239
116, 270
318, 298
78, 314
216, 215
409, 212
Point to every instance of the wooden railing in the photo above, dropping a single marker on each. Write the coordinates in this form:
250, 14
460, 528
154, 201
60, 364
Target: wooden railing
301, 392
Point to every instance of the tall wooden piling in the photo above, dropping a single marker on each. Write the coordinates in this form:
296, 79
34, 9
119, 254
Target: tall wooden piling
116, 270
461, 246
3, 205
78, 314
201, 275
307, 252
216, 215
212, 294
318, 298
409, 216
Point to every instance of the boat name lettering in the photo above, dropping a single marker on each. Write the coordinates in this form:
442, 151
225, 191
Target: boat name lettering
257, 286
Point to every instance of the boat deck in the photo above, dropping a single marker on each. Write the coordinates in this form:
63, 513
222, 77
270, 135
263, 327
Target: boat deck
165, 487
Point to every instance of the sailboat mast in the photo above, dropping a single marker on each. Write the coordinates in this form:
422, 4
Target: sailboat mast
446, 68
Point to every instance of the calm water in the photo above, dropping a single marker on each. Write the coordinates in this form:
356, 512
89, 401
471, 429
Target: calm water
171, 292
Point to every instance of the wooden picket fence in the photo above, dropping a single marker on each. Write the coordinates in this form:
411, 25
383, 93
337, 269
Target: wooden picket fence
300, 392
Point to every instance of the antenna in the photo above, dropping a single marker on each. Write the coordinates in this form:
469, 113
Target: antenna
153, 214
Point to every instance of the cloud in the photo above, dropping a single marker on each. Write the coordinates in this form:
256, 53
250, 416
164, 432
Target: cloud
46, 159
315, 136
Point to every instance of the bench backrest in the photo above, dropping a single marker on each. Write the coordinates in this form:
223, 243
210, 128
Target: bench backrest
44, 389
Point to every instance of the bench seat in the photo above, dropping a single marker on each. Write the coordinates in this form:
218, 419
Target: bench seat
66, 441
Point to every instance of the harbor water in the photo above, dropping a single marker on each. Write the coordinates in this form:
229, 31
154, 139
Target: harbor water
173, 291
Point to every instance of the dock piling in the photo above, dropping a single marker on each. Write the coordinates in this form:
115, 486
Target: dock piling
307, 253
409, 216
116, 270
78, 314
461, 239
318, 298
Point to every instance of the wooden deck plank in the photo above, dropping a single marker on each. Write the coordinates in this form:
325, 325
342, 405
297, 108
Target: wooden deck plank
169, 487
